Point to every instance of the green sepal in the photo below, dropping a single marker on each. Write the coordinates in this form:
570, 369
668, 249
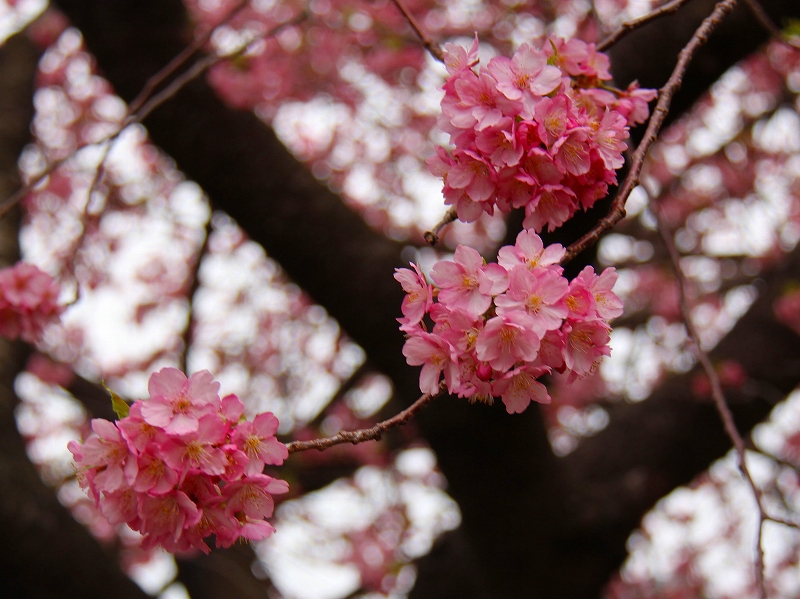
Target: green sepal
791, 28
121, 409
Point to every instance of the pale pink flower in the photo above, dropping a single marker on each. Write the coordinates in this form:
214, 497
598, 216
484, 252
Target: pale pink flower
176, 403
136, 431
28, 302
245, 528
257, 440
551, 351
231, 409
633, 105
553, 116
607, 303
553, 205
608, 139
473, 174
540, 166
540, 293
508, 339
436, 356
169, 484
526, 71
580, 299
419, 295
458, 59
571, 152
458, 328
529, 251
578, 58
500, 143
464, 283
253, 496
153, 475
467, 210
480, 103
213, 521
107, 453
235, 462
540, 130
586, 342
199, 450
164, 517
519, 387
122, 506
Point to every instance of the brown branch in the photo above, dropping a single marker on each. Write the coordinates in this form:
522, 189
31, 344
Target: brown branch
430, 46
633, 24
194, 285
206, 63
719, 398
432, 236
173, 65
99, 174
365, 434
149, 106
617, 212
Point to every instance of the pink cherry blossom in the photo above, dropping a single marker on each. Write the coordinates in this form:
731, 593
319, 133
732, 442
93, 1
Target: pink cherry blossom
527, 320
542, 129
607, 303
419, 296
28, 302
586, 342
177, 403
464, 283
257, 440
508, 339
518, 388
178, 487
435, 356
538, 293
529, 251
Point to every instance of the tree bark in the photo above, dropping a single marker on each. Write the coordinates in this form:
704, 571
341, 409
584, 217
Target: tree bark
44, 552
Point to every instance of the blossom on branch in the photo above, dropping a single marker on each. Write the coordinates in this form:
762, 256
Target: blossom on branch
28, 302
542, 130
498, 327
183, 465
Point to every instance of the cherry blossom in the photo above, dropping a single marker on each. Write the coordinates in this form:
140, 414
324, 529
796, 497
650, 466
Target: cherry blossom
543, 130
28, 302
498, 327
178, 484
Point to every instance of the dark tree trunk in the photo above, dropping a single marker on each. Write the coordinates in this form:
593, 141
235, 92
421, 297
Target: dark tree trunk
44, 553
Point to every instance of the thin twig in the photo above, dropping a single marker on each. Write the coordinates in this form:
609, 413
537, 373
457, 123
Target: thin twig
194, 285
99, 173
432, 236
205, 63
365, 434
430, 46
133, 118
665, 94
719, 398
633, 24
179, 60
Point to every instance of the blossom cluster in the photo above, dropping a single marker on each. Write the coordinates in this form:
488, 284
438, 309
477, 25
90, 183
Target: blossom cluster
496, 328
28, 302
542, 130
184, 464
